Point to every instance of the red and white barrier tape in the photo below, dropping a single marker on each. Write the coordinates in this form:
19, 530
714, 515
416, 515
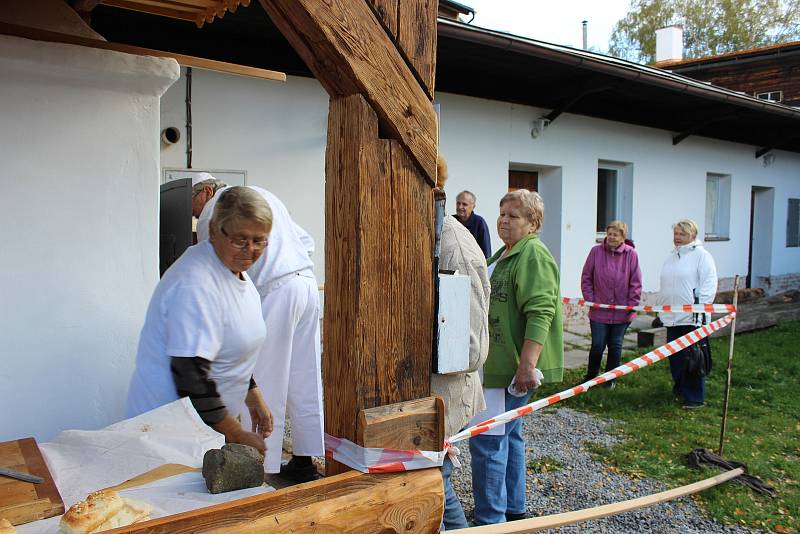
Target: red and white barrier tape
375, 460
370, 460
679, 308
650, 358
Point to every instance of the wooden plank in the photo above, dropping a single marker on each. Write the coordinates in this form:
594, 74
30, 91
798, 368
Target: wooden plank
416, 38
346, 369
386, 12
537, 524
379, 265
23, 502
410, 425
189, 16
349, 52
157, 473
188, 61
351, 502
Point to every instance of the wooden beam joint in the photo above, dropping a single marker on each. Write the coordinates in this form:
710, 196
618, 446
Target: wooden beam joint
699, 125
574, 99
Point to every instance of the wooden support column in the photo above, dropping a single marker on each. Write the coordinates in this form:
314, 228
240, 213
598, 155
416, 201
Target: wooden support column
376, 59
378, 271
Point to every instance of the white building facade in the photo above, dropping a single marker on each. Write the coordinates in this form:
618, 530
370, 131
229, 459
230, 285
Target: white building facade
276, 132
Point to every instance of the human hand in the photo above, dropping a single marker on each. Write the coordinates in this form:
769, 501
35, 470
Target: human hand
248, 438
234, 433
526, 378
260, 414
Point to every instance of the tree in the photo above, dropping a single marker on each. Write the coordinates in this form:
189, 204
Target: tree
709, 26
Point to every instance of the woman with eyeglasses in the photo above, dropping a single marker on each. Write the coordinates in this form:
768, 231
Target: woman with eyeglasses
203, 328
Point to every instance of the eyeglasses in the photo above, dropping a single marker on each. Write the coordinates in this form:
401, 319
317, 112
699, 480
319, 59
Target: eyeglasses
241, 243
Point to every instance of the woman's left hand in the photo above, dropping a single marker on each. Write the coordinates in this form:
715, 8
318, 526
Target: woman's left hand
260, 414
525, 377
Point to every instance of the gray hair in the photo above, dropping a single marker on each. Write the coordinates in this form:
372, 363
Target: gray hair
213, 183
239, 203
531, 203
688, 226
469, 194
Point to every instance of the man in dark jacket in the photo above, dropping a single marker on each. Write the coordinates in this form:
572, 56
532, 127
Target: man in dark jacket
465, 206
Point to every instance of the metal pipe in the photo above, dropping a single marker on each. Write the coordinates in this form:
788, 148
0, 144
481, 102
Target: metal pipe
188, 117
585, 24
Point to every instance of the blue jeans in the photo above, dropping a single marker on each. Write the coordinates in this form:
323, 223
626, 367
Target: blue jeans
605, 335
453, 512
498, 470
691, 388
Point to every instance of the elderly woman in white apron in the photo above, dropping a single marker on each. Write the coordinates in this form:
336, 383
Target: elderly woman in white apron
203, 328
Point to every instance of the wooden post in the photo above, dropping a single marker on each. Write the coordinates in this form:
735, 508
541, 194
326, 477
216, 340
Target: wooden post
730, 368
376, 59
378, 278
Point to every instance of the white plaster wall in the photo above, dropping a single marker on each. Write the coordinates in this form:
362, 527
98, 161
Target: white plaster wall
79, 209
277, 133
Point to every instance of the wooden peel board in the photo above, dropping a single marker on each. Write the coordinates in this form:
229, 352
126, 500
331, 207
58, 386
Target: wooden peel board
23, 502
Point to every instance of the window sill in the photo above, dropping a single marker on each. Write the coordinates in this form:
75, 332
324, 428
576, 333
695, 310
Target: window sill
716, 238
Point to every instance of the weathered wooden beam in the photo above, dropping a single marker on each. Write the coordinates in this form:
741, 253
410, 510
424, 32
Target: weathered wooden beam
386, 13
350, 502
699, 125
416, 39
188, 61
574, 99
350, 53
378, 271
538, 524
408, 425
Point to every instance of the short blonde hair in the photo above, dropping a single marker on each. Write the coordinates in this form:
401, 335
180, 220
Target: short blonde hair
532, 206
619, 226
238, 203
688, 226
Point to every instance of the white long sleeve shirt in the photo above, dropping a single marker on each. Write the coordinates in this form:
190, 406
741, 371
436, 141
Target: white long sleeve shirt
687, 268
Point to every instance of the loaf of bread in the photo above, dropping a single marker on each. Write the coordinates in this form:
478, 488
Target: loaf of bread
6, 527
103, 510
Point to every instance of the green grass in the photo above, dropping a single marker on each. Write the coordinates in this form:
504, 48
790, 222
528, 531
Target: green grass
763, 429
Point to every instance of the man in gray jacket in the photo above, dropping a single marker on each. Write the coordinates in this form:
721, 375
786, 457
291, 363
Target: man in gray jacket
462, 392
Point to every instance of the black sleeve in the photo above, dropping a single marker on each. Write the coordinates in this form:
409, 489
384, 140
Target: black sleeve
253, 384
191, 380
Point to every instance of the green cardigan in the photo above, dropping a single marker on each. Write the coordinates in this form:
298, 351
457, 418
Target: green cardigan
525, 304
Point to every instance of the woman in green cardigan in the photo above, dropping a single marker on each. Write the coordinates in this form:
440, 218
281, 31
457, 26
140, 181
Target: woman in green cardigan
525, 334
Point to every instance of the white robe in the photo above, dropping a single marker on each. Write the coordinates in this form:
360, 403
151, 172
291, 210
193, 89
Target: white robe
289, 370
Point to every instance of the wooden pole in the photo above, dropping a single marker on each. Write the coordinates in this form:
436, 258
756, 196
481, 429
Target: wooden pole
537, 524
730, 368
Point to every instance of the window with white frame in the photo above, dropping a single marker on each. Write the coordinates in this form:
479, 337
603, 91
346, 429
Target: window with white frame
718, 205
793, 223
614, 194
772, 96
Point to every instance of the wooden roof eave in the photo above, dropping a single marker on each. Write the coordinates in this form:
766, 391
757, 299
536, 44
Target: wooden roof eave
613, 66
197, 11
184, 60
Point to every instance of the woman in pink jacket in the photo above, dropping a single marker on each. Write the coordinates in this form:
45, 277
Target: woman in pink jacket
611, 275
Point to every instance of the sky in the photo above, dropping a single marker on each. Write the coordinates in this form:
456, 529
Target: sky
557, 22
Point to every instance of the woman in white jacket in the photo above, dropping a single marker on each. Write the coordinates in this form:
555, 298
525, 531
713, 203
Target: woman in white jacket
688, 272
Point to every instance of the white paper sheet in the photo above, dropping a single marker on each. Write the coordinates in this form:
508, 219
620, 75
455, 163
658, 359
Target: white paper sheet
85, 461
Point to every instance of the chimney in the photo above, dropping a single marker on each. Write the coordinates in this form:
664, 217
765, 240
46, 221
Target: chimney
669, 44
585, 35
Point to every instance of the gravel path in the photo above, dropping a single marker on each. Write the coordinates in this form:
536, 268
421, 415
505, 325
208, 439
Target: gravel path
580, 482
